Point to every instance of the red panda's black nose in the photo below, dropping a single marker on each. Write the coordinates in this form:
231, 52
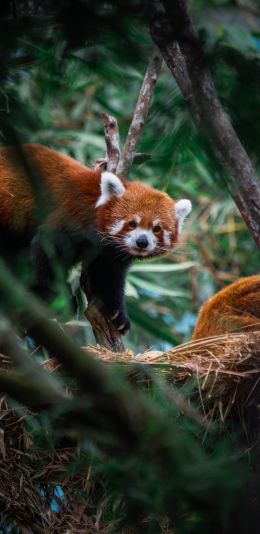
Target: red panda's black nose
142, 241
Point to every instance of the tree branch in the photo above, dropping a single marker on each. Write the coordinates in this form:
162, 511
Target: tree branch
112, 139
115, 161
105, 332
172, 31
140, 114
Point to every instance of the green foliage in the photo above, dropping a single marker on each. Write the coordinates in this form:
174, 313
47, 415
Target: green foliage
54, 86
151, 456
57, 99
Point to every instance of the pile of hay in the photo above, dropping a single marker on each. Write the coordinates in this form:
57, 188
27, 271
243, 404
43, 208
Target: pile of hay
226, 370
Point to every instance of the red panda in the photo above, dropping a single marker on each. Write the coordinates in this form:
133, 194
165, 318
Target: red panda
91, 216
236, 308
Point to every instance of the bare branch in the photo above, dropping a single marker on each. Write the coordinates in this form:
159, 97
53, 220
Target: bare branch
140, 114
172, 31
105, 332
112, 139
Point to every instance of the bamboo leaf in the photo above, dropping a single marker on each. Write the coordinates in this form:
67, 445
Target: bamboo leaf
130, 290
150, 286
161, 267
153, 325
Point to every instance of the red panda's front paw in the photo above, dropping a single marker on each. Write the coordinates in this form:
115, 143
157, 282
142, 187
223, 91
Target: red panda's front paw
121, 321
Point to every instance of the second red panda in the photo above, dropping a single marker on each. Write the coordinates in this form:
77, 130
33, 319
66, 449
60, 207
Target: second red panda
91, 215
236, 308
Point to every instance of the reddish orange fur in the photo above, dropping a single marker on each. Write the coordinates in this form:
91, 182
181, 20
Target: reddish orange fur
74, 190
236, 308
142, 199
77, 204
72, 187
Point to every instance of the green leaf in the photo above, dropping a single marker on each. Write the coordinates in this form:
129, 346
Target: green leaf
161, 267
130, 290
149, 286
154, 326
87, 138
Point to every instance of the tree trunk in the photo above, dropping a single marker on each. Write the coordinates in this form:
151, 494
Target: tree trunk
173, 33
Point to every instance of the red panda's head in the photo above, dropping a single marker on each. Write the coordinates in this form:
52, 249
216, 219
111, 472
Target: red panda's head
140, 220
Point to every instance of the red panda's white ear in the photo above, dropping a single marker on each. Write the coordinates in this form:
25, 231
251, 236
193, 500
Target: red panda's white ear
110, 185
182, 208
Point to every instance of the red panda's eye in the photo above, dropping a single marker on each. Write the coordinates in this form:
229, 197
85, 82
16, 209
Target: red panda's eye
132, 224
157, 229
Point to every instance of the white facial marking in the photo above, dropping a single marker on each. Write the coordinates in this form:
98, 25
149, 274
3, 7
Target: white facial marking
110, 185
131, 238
183, 208
117, 227
137, 219
156, 221
167, 237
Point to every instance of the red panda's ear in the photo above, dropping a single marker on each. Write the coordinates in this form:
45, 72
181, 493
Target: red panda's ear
110, 185
182, 208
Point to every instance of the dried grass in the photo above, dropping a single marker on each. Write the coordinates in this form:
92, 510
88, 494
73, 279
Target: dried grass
226, 368
227, 371
22, 484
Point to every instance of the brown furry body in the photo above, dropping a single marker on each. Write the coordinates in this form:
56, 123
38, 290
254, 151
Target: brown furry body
236, 308
72, 191
71, 188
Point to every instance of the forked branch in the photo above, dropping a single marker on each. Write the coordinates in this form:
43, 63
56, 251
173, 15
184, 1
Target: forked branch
105, 332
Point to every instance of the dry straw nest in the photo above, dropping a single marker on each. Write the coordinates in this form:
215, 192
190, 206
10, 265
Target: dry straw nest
226, 370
